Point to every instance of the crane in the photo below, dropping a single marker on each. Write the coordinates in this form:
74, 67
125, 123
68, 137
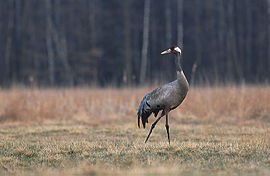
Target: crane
166, 97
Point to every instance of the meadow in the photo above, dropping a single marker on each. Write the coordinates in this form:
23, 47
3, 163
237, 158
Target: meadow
90, 131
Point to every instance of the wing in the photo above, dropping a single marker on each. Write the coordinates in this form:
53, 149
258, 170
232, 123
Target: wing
157, 100
161, 97
151, 103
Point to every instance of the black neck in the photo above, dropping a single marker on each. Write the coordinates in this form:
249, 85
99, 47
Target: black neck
177, 62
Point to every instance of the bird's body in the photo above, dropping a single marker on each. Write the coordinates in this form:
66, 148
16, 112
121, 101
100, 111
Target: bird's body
166, 97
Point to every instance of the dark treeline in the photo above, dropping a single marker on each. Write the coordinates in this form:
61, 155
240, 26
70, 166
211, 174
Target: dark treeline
118, 42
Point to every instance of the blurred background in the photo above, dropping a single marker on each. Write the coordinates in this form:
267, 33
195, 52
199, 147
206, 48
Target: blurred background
68, 43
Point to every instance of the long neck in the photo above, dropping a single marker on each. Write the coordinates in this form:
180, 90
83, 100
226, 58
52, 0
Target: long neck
177, 63
182, 80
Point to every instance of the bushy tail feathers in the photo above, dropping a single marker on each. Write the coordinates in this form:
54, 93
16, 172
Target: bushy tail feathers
144, 112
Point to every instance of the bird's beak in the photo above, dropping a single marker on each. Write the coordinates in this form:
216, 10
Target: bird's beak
166, 51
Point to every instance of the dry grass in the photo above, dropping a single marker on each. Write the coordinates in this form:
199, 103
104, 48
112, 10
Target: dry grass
81, 149
216, 131
99, 106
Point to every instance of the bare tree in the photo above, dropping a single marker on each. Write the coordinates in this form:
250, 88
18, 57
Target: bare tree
221, 30
248, 42
92, 22
8, 48
268, 36
60, 41
95, 53
56, 43
127, 52
180, 29
197, 41
168, 41
232, 65
49, 41
17, 41
168, 21
146, 20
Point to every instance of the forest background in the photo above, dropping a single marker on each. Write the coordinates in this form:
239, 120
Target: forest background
67, 43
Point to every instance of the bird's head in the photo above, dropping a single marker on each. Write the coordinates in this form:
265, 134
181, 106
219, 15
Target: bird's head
174, 50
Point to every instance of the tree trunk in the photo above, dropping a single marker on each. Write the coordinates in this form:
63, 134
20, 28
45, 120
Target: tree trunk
166, 63
61, 45
127, 52
197, 41
49, 41
233, 65
92, 21
93, 9
268, 37
61, 49
8, 49
18, 41
180, 29
221, 33
146, 20
248, 42
168, 18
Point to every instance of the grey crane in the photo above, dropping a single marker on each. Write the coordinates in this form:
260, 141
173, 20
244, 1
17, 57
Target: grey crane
166, 97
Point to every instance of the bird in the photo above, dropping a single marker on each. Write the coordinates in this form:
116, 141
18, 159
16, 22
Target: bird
164, 98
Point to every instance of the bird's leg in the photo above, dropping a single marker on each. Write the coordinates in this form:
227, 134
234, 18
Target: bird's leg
153, 126
167, 128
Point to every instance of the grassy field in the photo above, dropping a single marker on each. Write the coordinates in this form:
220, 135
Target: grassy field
216, 131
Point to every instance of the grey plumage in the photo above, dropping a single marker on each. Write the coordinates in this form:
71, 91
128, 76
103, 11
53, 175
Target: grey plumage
166, 97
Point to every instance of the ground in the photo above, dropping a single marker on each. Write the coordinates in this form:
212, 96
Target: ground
79, 143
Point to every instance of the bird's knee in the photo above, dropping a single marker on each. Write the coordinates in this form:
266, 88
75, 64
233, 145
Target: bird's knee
167, 126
